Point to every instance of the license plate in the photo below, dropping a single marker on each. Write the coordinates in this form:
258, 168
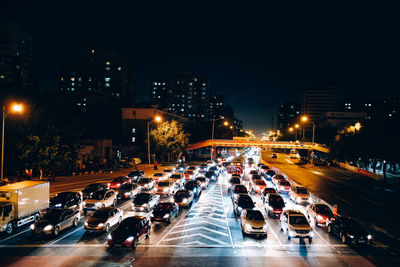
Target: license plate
118, 245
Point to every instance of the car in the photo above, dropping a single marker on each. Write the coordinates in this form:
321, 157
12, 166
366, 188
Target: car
259, 165
165, 211
274, 156
100, 199
102, 220
90, 189
204, 167
184, 198
238, 189
274, 204
182, 167
66, 200
233, 181
146, 184
299, 194
266, 191
210, 163
168, 172
269, 174
349, 231
319, 214
250, 161
277, 178
159, 176
118, 181
178, 178
263, 169
165, 187
256, 177
129, 232
257, 186
55, 221
242, 202
215, 169
193, 186
134, 176
238, 175
203, 181
296, 225
252, 172
128, 191
253, 222
283, 186
193, 168
144, 202
189, 175
211, 175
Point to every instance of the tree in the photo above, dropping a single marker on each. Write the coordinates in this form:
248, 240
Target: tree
170, 139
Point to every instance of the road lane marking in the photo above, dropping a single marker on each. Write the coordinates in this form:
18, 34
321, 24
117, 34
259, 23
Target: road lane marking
197, 235
289, 161
323, 240
344, 200
273, 232
202, 221
5, 239
61, 238
199, 228
226, 217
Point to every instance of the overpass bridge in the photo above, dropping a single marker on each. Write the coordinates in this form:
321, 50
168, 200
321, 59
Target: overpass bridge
257, 143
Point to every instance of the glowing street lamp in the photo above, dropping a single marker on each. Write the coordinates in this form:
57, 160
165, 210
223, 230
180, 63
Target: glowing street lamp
226, 123
212, 133
157, 119
305, 119
15, 108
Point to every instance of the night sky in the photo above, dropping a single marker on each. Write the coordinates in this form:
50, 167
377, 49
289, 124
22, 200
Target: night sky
256, 53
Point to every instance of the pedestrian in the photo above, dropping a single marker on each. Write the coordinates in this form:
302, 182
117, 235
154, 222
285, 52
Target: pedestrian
155, 166
30, 174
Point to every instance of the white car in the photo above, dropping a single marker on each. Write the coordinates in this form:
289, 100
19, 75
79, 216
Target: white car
102, 220
146, 184
178, 178
299, 194
295, 225
159, 176
168, 172
165, 187
100, 199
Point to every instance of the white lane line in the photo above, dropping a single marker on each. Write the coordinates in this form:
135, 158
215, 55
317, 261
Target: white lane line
273, 232
226, 217
5, 239
199, 228
198, 235
201, 221
61, 238
183, 217
289, 161
323, 240
344, 200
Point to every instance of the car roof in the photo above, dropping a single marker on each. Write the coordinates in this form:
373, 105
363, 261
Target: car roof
294, 212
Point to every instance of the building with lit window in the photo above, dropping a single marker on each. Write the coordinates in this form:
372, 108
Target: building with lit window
317, 101
15, 61
288, 114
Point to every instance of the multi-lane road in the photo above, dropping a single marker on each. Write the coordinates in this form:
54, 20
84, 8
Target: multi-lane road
208, 234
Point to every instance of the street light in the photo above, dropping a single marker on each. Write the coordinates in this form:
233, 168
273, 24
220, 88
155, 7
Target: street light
297, 127
157, 119
226, 123
305, 119
212, 134
15, 108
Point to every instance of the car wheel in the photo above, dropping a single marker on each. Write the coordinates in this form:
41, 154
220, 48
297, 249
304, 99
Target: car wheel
76, 221
329, 228
148, 233
135, 243
287, 234
107, 228
9, 229
310, 239
119, 220
344, 239
56, 231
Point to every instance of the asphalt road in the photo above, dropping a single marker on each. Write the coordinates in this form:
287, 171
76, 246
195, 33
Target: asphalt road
371, 201
207, 234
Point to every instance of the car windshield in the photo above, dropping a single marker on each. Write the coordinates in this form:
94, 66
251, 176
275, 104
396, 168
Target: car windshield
285, 183
135, 173
142, 197
164, 206
190, 184
175, 176
128, 225
253, 172
276, 199
279, 177
201, 179
323, 209
256, 177
101, 214
52, 215
302, 191
127, 186
168, 170
351, 224
269, 190
298, 220
158, 174
189, 172
260, 182
254, 215
240, 189
246, 202
264, 167
163, 184
62, 196
181, 193
270, 172
97, 195
235, 180
145, 181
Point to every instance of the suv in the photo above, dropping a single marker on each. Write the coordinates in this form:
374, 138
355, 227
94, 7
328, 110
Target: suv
296, 225
100, 199
299, 194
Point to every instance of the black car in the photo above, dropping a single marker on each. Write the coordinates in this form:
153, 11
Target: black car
211, 175
134, 176
165, 211
66, 200
194, 186
182, 167
204, 166
243, 202
233, 181
90, 189
274, 204
238, 189
267, 191
269, 174
129, 232
215, 169
128, 191
55, 221
349, 231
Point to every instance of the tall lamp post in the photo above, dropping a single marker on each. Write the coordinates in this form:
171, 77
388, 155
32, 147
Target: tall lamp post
212, 134
305, 119
296, 126
15, 108
157, 119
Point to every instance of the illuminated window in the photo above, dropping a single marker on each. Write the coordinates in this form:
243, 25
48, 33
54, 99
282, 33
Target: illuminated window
119, 68
133, 139
1, 76
107, 85
133, 130
107, 79
72, 89
92, 51
107, 68
73, 79
108, 63
90, 79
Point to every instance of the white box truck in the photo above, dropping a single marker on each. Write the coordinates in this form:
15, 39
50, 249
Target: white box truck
21, 203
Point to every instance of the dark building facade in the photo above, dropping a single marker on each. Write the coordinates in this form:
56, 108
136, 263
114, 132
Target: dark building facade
15, 61
288, 114
317, 101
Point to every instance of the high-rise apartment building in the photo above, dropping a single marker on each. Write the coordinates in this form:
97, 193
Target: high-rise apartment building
288, 113
317, 101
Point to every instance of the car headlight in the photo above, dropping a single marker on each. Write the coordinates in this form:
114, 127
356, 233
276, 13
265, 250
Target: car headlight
109, 237
84, 203
311, 233
265, 227
351, 236
248, 227
184, 200
166, 189
369, 237
129, 239
58, 205
166, 216
145, 205
98, 203
86, 224
100, 225
240, 208
118, 185
319, 217
298, 198
48, 228
32, 227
